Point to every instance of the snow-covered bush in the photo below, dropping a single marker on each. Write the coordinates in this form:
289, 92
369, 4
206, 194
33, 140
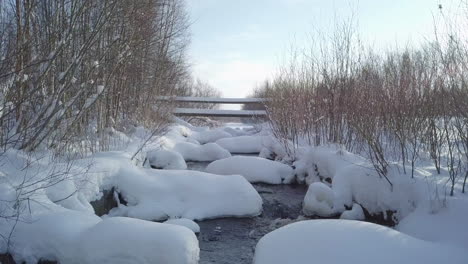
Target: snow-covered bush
353, 180
320, 164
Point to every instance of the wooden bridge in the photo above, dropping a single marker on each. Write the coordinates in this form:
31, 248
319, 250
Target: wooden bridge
216, 112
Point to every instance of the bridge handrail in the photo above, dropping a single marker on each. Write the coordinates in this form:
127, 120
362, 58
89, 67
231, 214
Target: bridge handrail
218, 112
213, 100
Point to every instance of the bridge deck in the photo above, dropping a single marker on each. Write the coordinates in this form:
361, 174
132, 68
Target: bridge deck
218, 113
212, 100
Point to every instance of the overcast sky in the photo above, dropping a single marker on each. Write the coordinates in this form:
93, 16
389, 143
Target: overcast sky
236, 44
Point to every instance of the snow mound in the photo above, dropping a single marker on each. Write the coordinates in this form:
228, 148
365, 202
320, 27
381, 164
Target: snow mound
166, 159
162, 194
50, 236
254, 169
243, 144
210, 135
356, 213
319, 200
346, 241
126, 240
184, 222
207, 152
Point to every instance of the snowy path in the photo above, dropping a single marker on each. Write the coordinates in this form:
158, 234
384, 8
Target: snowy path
233, 240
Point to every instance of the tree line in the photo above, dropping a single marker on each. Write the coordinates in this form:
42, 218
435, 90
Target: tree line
72, 70
399, 105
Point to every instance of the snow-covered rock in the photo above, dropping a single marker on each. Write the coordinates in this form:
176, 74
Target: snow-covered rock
166, 159
190, 224
162, 194
356, 213
210, 135
346, 241
254, 169
319, 200
243, 144
206, 152
126, 240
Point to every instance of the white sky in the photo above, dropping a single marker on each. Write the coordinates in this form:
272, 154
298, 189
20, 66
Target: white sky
236, 44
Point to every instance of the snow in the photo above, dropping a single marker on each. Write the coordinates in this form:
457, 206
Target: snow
354, 180
254, 169
160, 194
126, 240
346, 241
184, 222
52, 235
235, 132
206, 152
208, 136
319, 200
73, 237
448, 225
376, 195
243, 144
356, 213
58, 222
323, 162
166, 159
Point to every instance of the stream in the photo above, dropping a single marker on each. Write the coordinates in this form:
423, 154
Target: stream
233, 240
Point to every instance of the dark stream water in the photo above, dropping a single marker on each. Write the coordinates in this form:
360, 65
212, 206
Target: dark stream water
233, 240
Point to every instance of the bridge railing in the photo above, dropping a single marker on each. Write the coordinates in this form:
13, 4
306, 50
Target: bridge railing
215, 112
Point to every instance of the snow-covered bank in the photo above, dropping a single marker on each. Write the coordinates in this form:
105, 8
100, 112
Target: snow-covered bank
345, 241
254, 169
